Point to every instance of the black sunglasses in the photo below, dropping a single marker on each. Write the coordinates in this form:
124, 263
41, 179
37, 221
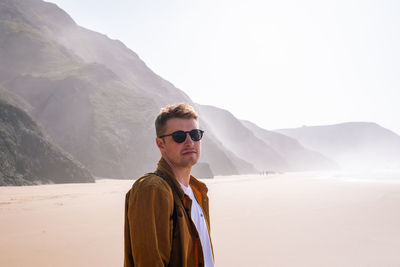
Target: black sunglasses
180, 136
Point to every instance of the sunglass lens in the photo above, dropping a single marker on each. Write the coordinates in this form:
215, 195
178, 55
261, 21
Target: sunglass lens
179, 136
196, 134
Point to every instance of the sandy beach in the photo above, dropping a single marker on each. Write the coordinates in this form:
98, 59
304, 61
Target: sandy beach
297, 219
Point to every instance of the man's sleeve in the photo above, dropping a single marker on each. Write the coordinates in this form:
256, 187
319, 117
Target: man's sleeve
150, 225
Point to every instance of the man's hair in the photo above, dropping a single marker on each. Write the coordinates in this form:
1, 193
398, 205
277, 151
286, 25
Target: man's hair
181, 111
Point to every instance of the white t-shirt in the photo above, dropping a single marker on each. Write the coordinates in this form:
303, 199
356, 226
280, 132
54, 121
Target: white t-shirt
201, 226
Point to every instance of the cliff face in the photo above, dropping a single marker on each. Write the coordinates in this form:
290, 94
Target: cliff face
92, 96
28, 157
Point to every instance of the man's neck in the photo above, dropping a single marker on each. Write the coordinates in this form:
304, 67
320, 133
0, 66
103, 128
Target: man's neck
182, 175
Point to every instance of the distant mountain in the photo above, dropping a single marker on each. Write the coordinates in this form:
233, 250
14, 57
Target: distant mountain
298, 157
28, 157
352, 144
92, 95
242, 139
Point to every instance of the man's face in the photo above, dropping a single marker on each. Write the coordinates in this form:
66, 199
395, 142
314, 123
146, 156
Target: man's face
180, 155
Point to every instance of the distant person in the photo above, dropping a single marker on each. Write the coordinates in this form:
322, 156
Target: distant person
167, 219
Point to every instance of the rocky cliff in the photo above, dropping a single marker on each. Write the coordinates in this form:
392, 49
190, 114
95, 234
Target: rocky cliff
28, 157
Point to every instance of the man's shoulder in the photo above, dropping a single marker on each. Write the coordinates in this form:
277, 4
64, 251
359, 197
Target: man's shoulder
150, 181
149, 192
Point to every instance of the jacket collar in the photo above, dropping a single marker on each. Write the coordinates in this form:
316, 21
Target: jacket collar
165, 170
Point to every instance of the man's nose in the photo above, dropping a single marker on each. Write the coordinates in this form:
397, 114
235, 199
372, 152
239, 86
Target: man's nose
188, 139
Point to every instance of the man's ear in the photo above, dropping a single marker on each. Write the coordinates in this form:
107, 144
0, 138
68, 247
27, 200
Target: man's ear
160, 143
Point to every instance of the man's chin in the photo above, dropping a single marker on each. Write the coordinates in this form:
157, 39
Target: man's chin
190, 162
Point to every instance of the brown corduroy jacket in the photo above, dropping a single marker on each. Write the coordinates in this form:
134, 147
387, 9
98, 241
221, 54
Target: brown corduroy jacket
159, 230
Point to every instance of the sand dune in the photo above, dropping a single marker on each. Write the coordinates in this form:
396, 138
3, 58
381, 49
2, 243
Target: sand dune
280, 220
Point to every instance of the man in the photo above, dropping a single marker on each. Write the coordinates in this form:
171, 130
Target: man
167, 219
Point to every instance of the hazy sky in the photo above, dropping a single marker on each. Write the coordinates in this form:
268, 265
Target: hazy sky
277, 63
